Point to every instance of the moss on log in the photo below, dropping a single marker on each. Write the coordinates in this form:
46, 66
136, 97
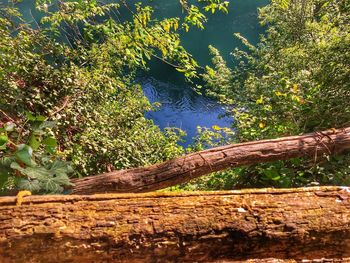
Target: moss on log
196, 164
305, 223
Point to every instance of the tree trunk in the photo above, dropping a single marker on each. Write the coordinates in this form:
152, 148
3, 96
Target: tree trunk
305, 223
183, 169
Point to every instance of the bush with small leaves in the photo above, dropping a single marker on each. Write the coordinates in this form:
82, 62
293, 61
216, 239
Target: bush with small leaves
296, 80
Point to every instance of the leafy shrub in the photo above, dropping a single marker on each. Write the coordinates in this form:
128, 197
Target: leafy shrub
99, 113
28, 157
77, 67
296, 80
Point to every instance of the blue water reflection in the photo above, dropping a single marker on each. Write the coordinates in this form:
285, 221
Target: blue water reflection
182, 107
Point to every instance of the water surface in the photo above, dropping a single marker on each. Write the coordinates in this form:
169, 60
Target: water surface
181, 106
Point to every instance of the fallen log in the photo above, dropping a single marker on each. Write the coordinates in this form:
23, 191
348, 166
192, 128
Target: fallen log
297, 224
183, 169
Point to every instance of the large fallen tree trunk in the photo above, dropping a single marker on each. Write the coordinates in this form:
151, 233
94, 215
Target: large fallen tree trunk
185, 168
306, 223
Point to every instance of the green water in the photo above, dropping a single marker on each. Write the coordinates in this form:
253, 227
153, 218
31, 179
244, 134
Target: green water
219, 29
181, 106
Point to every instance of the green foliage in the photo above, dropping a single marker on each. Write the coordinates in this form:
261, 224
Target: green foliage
194, 17
80, 74
77, 68
197, 18
68, 91
213, 5
295, 81
28, 158
209, 138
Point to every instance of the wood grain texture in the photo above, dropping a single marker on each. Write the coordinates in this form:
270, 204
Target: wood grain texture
197, 164
295, 224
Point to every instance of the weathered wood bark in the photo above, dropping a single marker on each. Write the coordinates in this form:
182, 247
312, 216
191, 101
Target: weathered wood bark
185, 168
306, 223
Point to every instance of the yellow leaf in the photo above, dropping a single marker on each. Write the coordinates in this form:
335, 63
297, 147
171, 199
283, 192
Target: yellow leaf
295, 88
296, 98
176, 25
261, 125
260, 101
278, 93
216, 128
186, 27
166, 27
164, 51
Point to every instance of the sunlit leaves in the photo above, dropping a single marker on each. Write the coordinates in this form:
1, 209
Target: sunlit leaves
213, 5
195, 18
77, 71
295, 81
284, 4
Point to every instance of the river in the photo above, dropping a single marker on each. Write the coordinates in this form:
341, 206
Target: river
181, 106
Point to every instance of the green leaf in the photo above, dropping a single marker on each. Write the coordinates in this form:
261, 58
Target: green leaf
24, 153
295, 161
3, 147
49, 179
5, 163
272, 174
50, 144
5, 169
40, 118
50, 149
3, 141
15, 166
61, 168
30, 185
31, 172
30, 116
33, 142
50, 141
